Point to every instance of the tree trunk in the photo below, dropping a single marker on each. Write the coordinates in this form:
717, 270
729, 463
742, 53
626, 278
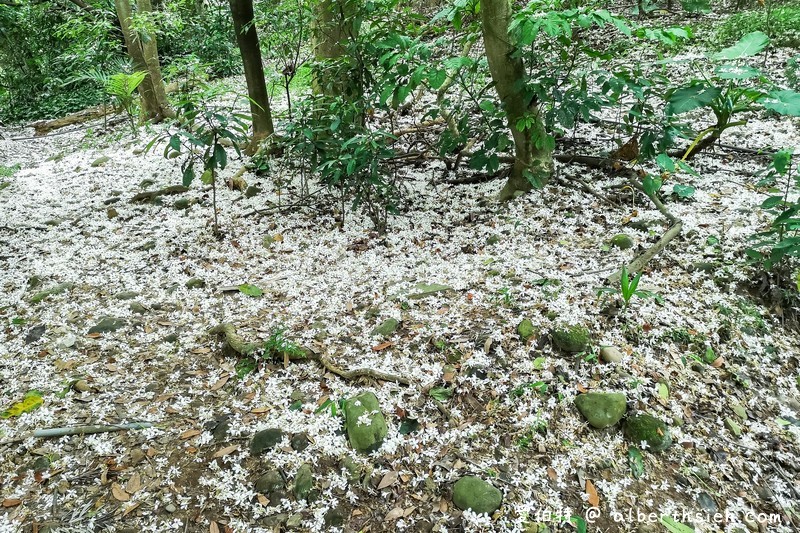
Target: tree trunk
332, 28
247, 39
144, 53
532, 154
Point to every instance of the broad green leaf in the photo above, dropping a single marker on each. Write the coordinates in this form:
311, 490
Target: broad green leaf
436, 78
651, 185
686, 99
749, 45
683, 191
579, 523
31, 401
220, 156
455, 63
250, 290
441, 393
696, 6
665, 162
635, 462
188, 175
771, 202
207, 177
674, 526
781, 161
783, 102
736, 72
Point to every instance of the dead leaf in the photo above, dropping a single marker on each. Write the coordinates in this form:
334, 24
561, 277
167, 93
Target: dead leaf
119, 493
581, 388
226, 451
381, 346
11, 502
134, 484
94, 335
260, 410
388, 479
201, 350
552, 474
594, 498
213, 528
718, 362
394, 514
277, 237
131, 508
408, 511
263, 500
442, 505
189, 433
220, 382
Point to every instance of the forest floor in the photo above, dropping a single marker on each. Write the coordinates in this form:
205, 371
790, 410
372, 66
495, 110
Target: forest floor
106, 306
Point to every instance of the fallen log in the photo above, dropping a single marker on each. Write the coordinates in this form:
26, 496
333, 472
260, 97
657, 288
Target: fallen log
44, 127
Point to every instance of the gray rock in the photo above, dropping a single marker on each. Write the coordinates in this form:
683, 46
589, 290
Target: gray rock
107, 324
35, 333
252, 190
649, 429
111, 213
335, 517
170, 508
365, 437
610, 354
386, 328
571, 338
195, 283
67, 341
270, 482
473, 493
100, 161
303, 482
265, 440
602, 409
126, 295
137, 307
707, 503
299, 442
182, 203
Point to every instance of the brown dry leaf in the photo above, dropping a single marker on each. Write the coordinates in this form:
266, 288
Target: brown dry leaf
581, 388
213, 528
594, 498
405, 478
442, 505
408, 511
131, 508
381, 346
189, 433
191, 450
260, 410
388, 479
111, 367
94, 335
119, 493
394, 514
277, 237
718, 362
220, 382
443, 310
552, 474
164, 323
11, 502
134, 484
357, 513
201, 350
263, 500
226, 451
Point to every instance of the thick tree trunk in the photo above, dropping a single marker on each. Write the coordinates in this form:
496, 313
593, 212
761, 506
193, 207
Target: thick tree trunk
332, 29
144, 54
531, 153
247, 39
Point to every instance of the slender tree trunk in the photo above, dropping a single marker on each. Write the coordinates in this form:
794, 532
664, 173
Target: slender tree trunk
332, 29
247, 39
144, 54
532, 155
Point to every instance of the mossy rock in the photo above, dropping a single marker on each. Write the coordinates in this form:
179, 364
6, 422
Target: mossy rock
265, 440
571, 339
621, 241
107, 324
195, 283
471, 492
648, 429
602, 409
386, 328
525, 329
365, 437
303, 482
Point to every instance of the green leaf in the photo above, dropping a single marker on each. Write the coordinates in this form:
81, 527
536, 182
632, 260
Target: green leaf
207, 177
436, 78
32, 400
579, 523
736, 72
686, 99
696, 6
651, 185
781, 161
771, 202
188, 175
441, 393
783, 102
675, 527
635, 462
245, 366
749, 45
683, 191
250, 290
665, 162
220, 156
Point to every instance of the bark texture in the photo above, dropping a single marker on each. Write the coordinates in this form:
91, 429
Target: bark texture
332, 29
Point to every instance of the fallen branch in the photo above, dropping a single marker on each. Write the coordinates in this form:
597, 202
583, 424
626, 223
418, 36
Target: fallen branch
46, 126
237, 343
638, 264
80, 430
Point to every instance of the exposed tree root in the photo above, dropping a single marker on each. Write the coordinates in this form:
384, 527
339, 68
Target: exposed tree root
149, 196
240, 346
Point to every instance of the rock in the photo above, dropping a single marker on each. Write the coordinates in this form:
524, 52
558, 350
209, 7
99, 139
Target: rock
67, 341
335, 517
111, 213
137, 307
526, 329
172, 337
35, 333
733, 427
299, 442
111, 201
100, 161
170, 508
195, 283
294, 521
386, 328
58, 289
252, 190
649, 429
366, 427
473, 493
492, 240
610, 354
126, 295
423, 290
353, 469
182, 203
107, 325
602, 409
270, 482
303, 482
265, 440
621, 241
707, 503
572, 339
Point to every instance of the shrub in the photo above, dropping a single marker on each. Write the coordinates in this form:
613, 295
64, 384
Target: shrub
782, 24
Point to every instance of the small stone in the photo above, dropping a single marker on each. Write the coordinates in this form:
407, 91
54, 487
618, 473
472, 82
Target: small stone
648, 429
112, 200
572, 339
299, 442
67, 341
765, 493
81, 386
270, 482
707, 502
126, 295
100, 161
107, 325
621, 241
365, 437
471, 492
252, 190
733, 427
137, 307
525, 329
303, 482
601, 409
182, 203
386, 328
265, 440
35, 333
111, 213
195, 283
335, 517
610, 354
172, 337
492, 240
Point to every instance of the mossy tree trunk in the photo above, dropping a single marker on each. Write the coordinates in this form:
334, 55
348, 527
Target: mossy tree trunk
332, 29
247, 39
533, 154
143, 51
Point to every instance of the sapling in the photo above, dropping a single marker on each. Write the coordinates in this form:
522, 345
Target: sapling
628, 288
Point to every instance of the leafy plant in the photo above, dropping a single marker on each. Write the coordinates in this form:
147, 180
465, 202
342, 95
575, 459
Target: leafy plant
121, 87
277, 345
628, 288
441, 394
250, 290
782, 24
